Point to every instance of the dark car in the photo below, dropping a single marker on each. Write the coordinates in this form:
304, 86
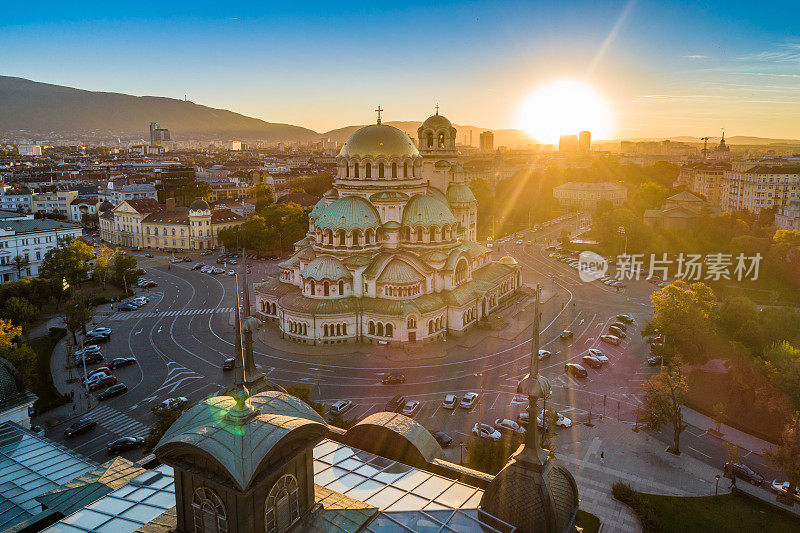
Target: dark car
81, 426
566, 334
128, 307
120, 362
620, 325
197, 266
96, 339
396, 403
207, 252
654, 361
575, 370
443, 438
393, 378
124, 444
743, 471
187, 259
102, 383
91, 359
592, 361
625, 318
113, 390
617, 332
148, 255
228, 364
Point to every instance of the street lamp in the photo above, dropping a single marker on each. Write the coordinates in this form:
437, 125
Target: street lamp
622, 232
716, 487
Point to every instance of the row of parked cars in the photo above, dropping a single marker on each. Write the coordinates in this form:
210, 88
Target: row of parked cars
594, 357
134, 303
570, 258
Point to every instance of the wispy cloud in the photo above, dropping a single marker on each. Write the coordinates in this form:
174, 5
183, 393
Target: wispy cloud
781, 53
695, 57
679, 96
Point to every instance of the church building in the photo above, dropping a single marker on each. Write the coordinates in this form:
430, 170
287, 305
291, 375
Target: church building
391, 253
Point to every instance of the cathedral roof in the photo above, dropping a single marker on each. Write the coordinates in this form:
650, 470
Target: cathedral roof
319, 207
508, 260
460, 193
199, 205
436, 193
436, 122
389, 196
349, 213
424, 210
398, 271
379, 140
326, 267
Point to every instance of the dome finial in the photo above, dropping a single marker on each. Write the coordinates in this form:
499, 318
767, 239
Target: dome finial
437, 109
379, 111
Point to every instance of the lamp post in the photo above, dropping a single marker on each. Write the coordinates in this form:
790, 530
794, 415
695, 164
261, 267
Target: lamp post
622, 232
716, 487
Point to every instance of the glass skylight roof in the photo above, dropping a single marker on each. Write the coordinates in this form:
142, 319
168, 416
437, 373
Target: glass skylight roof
410, 499
29, 467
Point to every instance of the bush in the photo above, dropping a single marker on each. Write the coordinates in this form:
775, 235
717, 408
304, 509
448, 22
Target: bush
648, 516
588, 522
43, 387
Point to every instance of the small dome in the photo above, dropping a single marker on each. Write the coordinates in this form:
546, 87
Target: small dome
398, 271
379, 140
508, 260
331, 194
326, 267
460, 193
199, 205
105, 206
319, 207
391, 225
436, 193
424, 210
436, 122
11, 382
348, 213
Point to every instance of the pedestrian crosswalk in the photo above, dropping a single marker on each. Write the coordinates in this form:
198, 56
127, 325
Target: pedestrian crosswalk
118, 423
174, 312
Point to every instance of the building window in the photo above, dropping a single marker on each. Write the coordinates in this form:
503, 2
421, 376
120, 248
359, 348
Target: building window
341, 288
209, 512
282, 509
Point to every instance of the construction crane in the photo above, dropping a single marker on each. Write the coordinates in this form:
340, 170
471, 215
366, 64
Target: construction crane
705, 146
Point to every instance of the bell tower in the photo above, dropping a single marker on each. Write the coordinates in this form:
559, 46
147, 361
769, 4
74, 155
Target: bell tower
437, 146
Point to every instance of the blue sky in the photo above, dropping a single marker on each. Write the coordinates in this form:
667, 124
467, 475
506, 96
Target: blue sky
669, 68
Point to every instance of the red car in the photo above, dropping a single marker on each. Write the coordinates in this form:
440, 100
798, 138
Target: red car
103, 383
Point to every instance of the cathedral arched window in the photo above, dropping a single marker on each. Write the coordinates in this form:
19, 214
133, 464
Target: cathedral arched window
341, 287
311, 286
394, 171
344, 329
208, 512
411, 323
305, 329
368, 170
342, 237
326, 289
325, 330
389, 330
440, 141
355, 170
379, 330
356, 237
430, 139
405, 169
430, 326
282, 510
347, 169
419, 234
432, 236
371, 327
368, 236
381, 172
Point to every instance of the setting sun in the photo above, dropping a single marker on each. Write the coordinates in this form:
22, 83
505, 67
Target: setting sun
564, 107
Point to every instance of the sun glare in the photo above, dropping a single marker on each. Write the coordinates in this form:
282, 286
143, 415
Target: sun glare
564, 107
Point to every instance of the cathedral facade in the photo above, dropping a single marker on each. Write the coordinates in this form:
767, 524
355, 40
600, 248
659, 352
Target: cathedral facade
391, 254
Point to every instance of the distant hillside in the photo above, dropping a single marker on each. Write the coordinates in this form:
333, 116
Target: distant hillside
44, 108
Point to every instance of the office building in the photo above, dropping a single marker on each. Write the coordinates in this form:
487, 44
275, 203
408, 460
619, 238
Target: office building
55, 202
584, 195
22, 235
568, 144
585, 142
158, 135
486, 141
30, 149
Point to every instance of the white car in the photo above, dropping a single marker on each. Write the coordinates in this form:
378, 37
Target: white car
780, 487
597, 354
469, 400
505, 425
231, 272
99, 331
87, 350
485, 431
562, 421
140, 301
176, 260
173, 403
450, 401
544, 354
411, 407
206, 269
340, 407
519, 243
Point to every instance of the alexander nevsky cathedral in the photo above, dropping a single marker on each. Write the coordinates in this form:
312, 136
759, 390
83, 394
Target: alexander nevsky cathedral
391, 253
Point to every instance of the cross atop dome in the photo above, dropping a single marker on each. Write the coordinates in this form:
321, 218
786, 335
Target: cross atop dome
437, 109
379, 111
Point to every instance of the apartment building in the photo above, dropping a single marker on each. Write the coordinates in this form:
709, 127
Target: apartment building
18, 200
22, 235
704, 178
132, 191
587, 195
53, 202
753, 185
80, 206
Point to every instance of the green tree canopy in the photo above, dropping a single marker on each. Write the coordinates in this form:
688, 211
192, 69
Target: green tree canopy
67, 260
684, 314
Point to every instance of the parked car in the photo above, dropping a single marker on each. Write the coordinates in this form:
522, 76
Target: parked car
207, 252
597, 354
614, 330
173, 403
575, 370
450, 401
469, 400
231, 272
102, 383
228, 364
124, 444
782, 487
393, 378
86, 350
99, 330
411, 408
396, 403
340, 407
128, 307
544, 354
566, 334
121, 361
742, 471
176, 260
592, 361
611, 339
561, 421
197, 266
140, 301
148, 255
187, 259
620, 325
485, 431
90, 340
504, 425
654, 361
79, 427
443, 438
113, 390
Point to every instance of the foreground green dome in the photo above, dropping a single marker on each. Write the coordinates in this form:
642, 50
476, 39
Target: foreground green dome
379, 140
349, 213
427, 210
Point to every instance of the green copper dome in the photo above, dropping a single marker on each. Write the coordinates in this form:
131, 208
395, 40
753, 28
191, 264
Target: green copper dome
326, 267
426, 210
398, 271
379, 140
349, 213
460, 193
319, 207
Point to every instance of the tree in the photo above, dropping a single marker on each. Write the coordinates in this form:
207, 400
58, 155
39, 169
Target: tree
102, 264
68, 260
664, 395
164, 420
21, 356
683, 314
786, 456
21, 262
20, 311
194, 190
720, 412
124, 271
77, 316
90, 221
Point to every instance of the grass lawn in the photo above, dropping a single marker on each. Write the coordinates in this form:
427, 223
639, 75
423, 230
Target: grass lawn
587, 521
723, 513
49, 397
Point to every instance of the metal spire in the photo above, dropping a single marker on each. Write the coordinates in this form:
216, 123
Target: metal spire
249, 325
535, 387
242, 410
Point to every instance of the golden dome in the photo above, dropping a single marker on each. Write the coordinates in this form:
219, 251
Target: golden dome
379, 140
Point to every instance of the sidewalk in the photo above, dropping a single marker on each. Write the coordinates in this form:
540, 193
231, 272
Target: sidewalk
731, 435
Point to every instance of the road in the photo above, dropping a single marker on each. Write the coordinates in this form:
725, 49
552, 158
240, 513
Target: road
182, 336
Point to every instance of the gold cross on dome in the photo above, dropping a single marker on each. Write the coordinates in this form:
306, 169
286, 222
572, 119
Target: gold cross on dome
379, 110
437, 109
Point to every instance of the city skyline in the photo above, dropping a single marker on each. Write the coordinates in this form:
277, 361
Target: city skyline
316, 65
